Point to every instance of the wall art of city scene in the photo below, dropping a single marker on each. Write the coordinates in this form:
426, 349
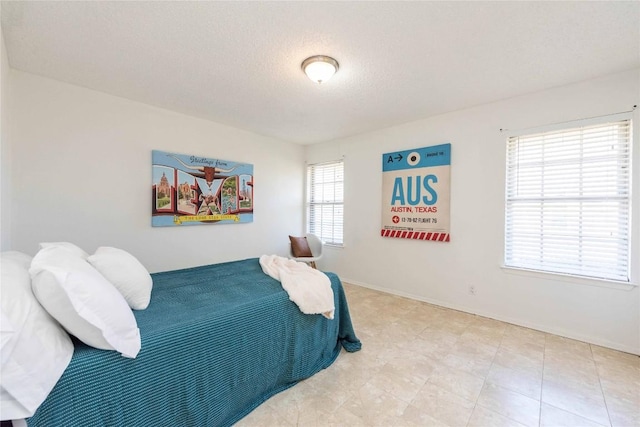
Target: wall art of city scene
191, 190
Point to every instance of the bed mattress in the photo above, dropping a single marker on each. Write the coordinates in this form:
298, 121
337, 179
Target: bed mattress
217, 341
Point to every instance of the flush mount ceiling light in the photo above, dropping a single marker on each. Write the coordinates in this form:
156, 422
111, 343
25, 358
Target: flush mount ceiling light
319, 68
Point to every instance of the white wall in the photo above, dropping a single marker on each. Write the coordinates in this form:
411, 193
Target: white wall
5, 149
82, 173
441, 273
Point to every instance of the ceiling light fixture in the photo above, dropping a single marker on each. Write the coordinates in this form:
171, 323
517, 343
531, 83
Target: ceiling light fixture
320, 68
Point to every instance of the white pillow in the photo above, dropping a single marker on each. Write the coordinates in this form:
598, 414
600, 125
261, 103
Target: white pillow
35, 349
83, 301
126, 273
21, 258
69, 246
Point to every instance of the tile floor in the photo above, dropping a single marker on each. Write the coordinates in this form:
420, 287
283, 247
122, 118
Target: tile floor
423, 365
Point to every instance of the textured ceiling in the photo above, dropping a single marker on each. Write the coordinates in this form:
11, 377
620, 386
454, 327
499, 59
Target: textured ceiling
238, 63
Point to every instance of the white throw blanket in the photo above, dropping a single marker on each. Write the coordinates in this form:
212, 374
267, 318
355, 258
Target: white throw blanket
309, 288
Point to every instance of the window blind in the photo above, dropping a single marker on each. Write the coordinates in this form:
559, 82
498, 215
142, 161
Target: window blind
325, 201
568, 201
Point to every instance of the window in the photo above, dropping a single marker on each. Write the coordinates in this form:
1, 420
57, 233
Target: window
568, 201
325, 201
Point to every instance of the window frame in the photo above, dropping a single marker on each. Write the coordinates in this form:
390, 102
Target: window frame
327, 238
631, 205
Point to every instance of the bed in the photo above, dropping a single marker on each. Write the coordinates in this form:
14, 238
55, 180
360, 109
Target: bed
217, 341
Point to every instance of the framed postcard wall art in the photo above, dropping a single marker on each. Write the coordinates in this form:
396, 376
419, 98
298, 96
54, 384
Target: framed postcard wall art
191, 190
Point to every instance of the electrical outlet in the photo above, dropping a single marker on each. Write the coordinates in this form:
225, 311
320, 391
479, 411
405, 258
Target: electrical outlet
472, 290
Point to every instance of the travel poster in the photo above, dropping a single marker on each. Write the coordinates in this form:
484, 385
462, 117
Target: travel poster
416, 193
191, 190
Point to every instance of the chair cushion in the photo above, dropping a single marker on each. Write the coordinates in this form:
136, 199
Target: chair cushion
300, 247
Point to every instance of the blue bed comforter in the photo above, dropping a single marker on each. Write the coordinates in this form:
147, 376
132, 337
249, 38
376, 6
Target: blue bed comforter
217, 341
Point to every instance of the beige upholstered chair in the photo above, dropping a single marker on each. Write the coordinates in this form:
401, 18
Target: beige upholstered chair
315, 245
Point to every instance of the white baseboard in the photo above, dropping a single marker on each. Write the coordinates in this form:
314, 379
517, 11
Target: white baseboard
519, 322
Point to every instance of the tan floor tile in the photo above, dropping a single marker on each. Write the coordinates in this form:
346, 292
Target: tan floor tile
453, 327
576, 399
427, 313
376, 345
618, 371
567, 356
262, 416
460, 383
521, 381
444, 406
433, 343
583, 360
394, 334
368, 327
441, 334
517, 345
473, 365
517, 358
416, 417
374, 404
625, 389
624, 412
470, 356
551, 416
414, 365
339, 384
525, 334
567, 373
607, 355
397, 383
479, 336
408, 326
343, 417
302, 399
364, 357
467, 347
488, 328
458, 319
313, 419
424, 365
620, 380
353, 376
456, 316
489, 324
397, 306
515, 406
560, 345
482, 417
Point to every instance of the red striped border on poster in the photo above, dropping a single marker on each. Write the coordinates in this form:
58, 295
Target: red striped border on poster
416, 235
